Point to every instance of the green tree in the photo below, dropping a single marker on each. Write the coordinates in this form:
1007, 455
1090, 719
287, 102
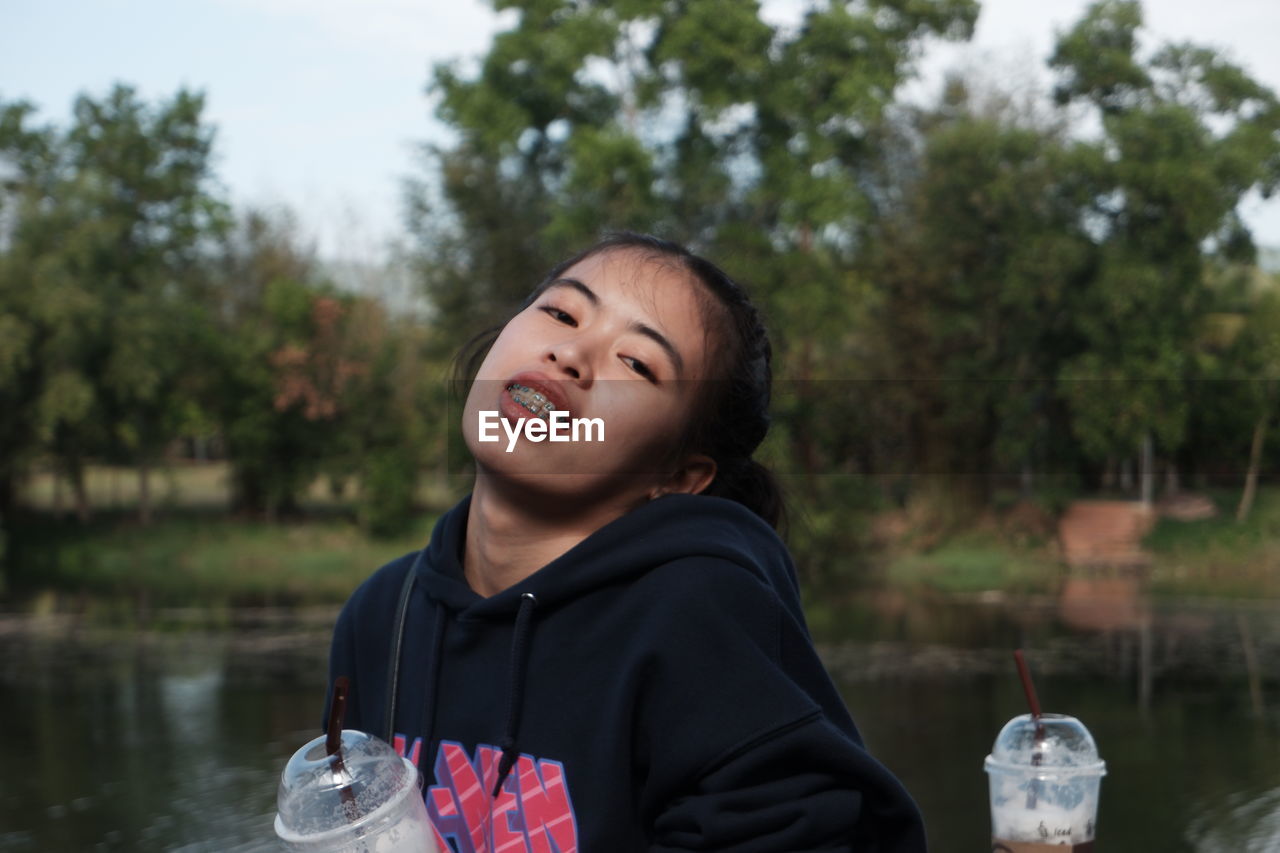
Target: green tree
700, 120
27, 167
1240, 353
680, 118
273, 379
146, 173
1186, 134
396, 414
112, 221
307, 381
975, 265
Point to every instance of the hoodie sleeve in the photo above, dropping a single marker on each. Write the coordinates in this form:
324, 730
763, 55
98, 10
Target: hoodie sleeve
804, 788
749, 746
361, 644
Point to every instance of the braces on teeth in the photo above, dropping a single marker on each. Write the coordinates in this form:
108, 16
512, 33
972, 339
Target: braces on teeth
532, 400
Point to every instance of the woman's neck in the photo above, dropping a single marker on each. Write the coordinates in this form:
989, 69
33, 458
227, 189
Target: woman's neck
507, 540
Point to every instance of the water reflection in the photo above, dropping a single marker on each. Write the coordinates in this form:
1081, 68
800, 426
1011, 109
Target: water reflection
140, 743
1091, 603
1177, 695
1105, 630
147, 742
1243, 823
1113, 605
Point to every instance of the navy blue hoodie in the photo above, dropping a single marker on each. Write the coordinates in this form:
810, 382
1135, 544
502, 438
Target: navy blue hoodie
654, 688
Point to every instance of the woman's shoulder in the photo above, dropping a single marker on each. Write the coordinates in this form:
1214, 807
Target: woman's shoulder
704, 596
719, 552
706, 577
380, 591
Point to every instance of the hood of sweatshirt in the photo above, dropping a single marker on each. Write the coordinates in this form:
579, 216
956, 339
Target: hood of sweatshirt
667, 528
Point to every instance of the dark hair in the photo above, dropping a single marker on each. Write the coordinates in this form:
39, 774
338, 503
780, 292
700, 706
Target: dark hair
731, 420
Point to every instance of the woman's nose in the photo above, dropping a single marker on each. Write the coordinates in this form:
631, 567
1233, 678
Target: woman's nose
572, 358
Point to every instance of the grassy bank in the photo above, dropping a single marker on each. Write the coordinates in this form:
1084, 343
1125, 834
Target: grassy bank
196, 555
1219, 556
201, 560
1216, 557
182, 486
976, 561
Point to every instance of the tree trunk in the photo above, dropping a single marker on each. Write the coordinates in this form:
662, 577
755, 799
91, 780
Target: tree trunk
75, 473
57, 494
1126, 475
1251, 665
1255, 462
8, 495
144, 492
1171, 483
1148, 470
337, 486
802, 436
1027, 481
8, 502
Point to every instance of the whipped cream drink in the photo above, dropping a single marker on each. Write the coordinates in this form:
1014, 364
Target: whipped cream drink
364, 798
1045, 776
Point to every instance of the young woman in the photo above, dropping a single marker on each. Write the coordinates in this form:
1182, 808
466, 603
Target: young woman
602, 648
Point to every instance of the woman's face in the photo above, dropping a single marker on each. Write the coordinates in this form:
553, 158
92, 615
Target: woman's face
618, 337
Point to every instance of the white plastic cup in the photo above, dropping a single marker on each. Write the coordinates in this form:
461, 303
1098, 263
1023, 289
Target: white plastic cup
363, 799
1044, 785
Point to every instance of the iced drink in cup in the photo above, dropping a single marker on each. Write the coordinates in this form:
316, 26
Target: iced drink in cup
363, 798
1045, 774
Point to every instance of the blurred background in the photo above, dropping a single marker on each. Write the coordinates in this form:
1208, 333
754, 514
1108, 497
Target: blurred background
1020, 263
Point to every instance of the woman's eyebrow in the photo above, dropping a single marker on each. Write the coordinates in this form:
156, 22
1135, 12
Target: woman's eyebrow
661, 340
578, 286
634, 326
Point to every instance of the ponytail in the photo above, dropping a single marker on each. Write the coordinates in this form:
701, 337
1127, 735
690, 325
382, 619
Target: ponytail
754, 486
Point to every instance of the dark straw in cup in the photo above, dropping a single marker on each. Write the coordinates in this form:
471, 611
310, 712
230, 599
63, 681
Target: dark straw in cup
333, 741
1033, 702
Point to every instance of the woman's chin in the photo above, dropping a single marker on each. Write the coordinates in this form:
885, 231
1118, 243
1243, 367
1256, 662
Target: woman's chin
554, 486
541, 467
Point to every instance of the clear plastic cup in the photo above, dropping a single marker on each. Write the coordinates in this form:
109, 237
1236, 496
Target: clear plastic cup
1045, 780
363, 799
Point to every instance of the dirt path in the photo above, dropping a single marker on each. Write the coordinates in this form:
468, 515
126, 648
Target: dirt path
1105, 534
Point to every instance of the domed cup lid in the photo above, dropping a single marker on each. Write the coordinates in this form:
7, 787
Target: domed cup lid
319, 792
1059, 744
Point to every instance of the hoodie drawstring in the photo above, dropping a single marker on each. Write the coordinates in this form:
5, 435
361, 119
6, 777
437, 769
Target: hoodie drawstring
433, 676
515, 687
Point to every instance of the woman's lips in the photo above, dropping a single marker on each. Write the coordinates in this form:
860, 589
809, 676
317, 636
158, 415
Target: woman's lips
526, 402
535, 386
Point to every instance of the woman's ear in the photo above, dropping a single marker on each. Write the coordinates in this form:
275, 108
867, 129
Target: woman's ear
691, 478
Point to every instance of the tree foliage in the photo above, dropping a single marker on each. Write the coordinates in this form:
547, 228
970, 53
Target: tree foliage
108, 225
972, 291
697, 119
1186, 134
135, 311
1005, 292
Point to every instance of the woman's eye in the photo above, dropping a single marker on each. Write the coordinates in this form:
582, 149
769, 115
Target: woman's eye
639, 367
560, 316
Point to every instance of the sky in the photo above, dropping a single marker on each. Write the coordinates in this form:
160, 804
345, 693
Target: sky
321, 105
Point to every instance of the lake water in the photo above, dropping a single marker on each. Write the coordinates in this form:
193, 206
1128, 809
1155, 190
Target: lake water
128, 741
